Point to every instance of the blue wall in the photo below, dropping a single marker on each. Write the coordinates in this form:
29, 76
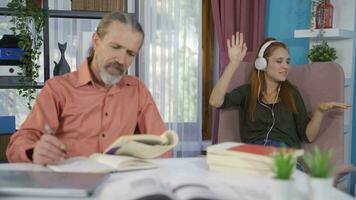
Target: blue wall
282, 18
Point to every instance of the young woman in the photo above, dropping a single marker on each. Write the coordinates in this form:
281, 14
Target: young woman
272, 111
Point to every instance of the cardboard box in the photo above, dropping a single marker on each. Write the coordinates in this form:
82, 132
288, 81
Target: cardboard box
99, 5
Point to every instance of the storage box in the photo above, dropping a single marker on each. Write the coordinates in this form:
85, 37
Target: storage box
7, 124
99, 5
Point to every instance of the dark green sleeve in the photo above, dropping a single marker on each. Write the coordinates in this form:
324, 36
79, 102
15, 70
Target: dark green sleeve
301, 117
236, 98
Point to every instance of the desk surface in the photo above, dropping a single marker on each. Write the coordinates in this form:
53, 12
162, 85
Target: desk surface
242, 186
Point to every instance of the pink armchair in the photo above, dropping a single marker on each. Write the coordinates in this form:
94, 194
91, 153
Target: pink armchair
316, 82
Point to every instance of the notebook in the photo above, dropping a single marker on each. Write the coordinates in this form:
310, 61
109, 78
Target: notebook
54, 184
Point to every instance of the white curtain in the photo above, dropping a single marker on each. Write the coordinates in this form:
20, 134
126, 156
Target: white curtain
170, 66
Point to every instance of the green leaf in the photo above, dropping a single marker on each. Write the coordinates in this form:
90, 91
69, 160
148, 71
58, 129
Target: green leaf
319, 163
284, 164
28, 24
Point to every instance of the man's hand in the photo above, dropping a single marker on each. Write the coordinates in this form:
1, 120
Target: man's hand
325, 106
236, 48
48, 150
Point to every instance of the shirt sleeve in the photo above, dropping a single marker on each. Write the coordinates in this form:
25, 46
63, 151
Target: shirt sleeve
235, 98
44, 111
301, 117
149, 119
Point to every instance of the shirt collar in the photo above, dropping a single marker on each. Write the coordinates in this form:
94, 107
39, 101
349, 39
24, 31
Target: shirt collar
84, 76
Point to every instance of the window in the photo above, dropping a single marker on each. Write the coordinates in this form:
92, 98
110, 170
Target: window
169, 64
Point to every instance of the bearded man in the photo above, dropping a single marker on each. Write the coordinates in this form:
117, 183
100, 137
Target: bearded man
83, 112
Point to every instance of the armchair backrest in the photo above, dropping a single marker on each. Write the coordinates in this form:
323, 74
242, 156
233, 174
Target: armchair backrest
316, 82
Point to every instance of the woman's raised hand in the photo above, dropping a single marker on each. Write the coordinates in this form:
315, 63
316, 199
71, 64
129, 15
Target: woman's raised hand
236, 48
325, 106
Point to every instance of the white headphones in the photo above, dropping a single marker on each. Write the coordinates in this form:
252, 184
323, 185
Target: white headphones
261, 62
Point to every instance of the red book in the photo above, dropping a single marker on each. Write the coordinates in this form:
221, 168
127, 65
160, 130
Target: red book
254, 149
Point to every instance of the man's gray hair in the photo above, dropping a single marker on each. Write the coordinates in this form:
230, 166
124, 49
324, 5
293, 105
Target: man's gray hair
125, 18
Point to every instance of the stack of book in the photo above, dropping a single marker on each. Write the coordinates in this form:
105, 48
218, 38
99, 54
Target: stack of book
249, 159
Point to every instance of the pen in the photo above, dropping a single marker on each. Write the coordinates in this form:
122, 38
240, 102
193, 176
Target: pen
50, 132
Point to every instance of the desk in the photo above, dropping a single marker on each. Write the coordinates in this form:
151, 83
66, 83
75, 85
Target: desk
245, 187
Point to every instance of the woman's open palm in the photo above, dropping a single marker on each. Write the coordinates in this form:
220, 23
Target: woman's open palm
325, 106
236, 48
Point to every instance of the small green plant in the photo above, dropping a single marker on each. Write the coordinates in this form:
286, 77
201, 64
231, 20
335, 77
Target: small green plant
284, 164
319, 163
322, 53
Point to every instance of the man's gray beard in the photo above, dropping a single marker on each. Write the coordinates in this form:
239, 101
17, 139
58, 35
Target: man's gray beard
109, 79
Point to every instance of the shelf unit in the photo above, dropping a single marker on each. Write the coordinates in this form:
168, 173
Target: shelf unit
330, 34
342, 38
46, 55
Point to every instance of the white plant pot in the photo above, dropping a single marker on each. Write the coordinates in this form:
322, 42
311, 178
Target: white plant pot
282, 189
319, 188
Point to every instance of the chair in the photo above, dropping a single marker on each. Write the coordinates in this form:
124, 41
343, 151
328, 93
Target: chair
316, 82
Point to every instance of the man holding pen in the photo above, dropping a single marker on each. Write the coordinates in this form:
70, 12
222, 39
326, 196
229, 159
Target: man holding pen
83, 112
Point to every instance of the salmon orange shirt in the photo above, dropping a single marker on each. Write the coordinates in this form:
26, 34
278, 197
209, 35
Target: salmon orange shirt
86, 117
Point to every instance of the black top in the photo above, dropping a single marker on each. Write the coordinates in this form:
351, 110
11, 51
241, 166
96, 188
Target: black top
289, 127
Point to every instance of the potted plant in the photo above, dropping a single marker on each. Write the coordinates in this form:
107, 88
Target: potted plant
283, 168
322, 53
27, 25
320, 169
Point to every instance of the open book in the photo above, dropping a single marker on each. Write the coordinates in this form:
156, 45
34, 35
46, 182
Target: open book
131, 152
166, 187
143, 145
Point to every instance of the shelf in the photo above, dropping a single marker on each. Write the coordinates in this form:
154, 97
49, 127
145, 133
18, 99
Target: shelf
15, 86
13, 82
76, 14
334, 33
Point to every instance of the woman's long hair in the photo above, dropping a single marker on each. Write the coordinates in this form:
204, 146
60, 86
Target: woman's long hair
285, 93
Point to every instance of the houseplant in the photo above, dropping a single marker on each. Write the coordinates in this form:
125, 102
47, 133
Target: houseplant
322, 53
27, 25
320, 169
283, 168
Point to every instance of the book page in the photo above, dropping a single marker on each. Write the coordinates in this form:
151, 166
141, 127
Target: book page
185, 188
80, 164
144, 146
123, 163
139, 187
